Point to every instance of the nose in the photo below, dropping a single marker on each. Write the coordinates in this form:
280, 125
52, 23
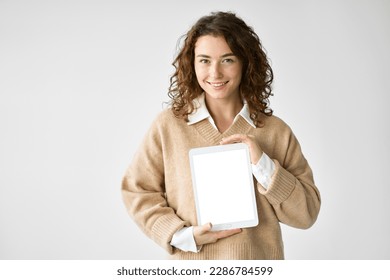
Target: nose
215, 71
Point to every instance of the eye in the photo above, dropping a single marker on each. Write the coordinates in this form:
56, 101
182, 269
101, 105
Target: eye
204, 61
227, 60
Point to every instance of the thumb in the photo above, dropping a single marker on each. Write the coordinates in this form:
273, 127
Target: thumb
206, 227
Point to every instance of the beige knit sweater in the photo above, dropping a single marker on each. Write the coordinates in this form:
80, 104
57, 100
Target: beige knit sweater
157, 187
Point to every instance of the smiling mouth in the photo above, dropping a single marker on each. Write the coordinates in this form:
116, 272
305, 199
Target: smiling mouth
216, 85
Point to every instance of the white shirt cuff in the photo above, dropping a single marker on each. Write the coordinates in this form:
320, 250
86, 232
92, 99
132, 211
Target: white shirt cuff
184, 240
263, 170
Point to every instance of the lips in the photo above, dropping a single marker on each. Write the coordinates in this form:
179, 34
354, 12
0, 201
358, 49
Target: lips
217, 84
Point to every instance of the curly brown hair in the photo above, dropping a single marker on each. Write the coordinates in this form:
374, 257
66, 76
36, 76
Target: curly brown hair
257, 75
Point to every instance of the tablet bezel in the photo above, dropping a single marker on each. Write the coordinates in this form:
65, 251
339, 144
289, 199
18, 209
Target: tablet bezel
223, 148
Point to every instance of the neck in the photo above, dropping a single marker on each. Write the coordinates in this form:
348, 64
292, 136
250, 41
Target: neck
223, 111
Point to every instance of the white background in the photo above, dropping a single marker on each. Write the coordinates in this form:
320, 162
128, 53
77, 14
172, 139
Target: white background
81, 81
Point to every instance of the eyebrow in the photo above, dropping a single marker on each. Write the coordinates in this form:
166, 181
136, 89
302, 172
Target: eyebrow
222, 56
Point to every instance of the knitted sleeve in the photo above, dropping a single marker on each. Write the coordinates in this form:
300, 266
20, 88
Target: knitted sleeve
143, 192
292, 192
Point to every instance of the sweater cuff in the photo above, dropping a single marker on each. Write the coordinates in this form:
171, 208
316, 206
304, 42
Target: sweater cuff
282, 185
164, 228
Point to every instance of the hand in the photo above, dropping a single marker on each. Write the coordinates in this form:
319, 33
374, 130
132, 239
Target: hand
203, 234
254, 149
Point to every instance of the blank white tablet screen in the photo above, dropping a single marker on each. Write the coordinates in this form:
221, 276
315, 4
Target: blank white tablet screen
223, 187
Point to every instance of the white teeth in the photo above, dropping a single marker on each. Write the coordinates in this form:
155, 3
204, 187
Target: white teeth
218, 85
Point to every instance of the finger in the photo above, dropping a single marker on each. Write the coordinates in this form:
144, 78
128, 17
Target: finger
208, 236
205, 228
254, 149
227, 233
203, 234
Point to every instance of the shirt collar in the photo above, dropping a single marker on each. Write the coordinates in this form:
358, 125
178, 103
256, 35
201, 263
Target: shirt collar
202, 113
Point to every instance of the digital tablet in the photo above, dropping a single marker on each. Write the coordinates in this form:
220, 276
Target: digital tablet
223, 186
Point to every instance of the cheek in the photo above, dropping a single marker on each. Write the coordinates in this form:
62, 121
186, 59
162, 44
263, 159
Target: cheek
238, 70
236, 73
200, 73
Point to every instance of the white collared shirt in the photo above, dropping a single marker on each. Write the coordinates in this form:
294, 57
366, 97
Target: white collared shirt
202, 113
262, 170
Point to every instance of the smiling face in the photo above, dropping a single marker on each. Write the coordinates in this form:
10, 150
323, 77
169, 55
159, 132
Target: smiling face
217, 69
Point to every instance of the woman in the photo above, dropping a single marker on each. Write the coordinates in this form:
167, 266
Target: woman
219, 95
